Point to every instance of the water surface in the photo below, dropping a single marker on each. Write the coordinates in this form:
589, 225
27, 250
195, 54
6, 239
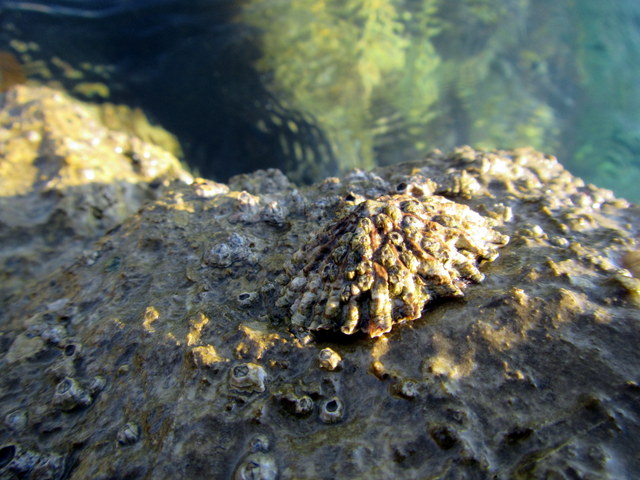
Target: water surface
318, 86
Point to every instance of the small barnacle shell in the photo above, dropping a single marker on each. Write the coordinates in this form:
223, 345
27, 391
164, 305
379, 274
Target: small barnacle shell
257, 466
69, 395
329, 359
129, 434
298, 405
407, 389
250, 377
383, 261
247, 299
332, 410
16, 421
259, 443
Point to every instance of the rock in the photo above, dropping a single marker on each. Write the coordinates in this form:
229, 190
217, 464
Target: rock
532, 373
66, 178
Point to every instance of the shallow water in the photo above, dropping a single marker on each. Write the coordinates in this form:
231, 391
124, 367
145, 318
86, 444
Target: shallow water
318, 86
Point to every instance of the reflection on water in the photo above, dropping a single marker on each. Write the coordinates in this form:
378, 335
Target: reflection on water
313, 86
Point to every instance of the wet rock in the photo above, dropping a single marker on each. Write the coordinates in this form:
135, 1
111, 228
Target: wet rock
631, 261
67, 176
18, 462
97, 385
206, 356
24, 347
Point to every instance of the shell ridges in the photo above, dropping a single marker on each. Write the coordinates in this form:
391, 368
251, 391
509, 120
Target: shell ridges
382, 262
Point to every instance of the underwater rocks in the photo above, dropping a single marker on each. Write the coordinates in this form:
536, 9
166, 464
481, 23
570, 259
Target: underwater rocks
384, 261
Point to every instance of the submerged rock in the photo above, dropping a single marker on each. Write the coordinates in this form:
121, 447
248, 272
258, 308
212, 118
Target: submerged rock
533, 373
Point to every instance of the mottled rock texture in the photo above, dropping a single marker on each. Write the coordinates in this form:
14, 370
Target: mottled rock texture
159, 352
67, 176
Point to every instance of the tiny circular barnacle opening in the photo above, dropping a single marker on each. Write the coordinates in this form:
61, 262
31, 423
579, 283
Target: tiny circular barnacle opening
331, 406
332, 410
65, 385
240, 371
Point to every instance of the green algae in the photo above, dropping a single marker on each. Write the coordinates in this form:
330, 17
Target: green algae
391, 79
337, 59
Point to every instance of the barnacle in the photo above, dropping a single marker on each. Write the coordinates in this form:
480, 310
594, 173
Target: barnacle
382, 262
69, 395
332, 410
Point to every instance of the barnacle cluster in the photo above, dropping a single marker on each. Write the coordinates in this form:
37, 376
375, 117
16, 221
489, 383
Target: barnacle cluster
382, 262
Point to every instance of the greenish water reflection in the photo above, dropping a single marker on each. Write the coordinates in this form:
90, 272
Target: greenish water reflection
391, 79
317, 86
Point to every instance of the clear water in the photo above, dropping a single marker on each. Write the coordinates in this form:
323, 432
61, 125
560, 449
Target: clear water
318, 86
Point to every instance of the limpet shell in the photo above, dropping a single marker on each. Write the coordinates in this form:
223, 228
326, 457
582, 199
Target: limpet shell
382, 262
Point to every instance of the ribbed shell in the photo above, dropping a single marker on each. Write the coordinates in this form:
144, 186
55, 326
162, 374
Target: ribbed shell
384, 261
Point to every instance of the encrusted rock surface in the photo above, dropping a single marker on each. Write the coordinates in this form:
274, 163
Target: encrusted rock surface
66, 178
183, 367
